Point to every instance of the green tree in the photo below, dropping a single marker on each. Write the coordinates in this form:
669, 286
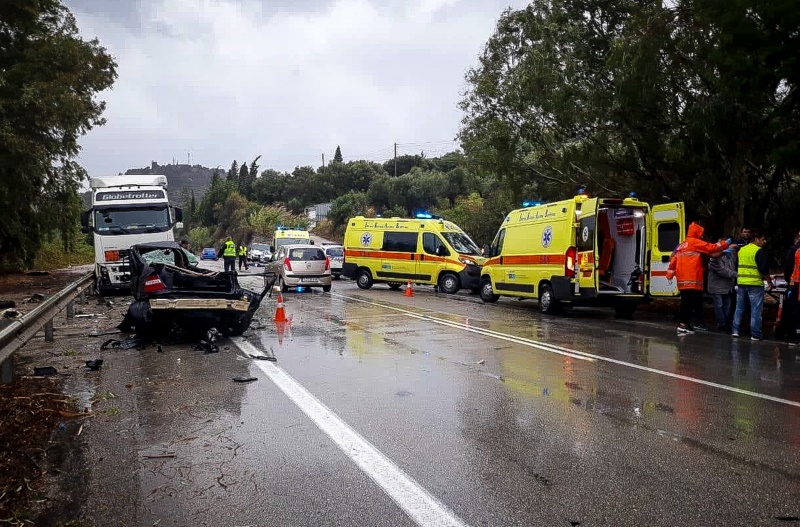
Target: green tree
49, 78
347, 206
243, 181
686, 100
233, 172
337, 157
270, 187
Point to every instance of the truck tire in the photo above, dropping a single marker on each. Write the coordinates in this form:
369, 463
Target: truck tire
486, 292
449, 284
363, 279
547, 300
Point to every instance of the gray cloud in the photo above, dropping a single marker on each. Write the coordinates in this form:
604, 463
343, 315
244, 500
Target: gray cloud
287, 80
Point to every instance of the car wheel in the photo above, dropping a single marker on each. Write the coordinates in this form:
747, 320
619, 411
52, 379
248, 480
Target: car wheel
486, 292
363, 279
547, 300
282, 285
326, 288
448, 283
394, 286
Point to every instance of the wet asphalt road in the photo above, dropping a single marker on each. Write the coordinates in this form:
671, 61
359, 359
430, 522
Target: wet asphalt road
493, 414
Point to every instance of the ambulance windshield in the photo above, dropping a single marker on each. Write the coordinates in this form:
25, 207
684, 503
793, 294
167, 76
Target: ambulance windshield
461, 243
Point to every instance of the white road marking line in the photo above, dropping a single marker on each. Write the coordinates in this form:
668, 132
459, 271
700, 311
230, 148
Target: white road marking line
485, 332
420, 505
578, 354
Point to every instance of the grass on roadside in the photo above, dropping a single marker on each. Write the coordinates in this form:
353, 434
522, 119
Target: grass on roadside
52, 256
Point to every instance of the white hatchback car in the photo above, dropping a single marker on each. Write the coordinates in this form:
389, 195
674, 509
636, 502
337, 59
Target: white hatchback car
301, 265
336, 255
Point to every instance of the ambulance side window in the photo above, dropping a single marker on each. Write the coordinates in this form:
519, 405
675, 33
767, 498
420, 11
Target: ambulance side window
497, 244
404, 242
432, 244
585, 241
669, 236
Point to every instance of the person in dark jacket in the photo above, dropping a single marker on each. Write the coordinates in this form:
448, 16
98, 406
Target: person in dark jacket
721, 282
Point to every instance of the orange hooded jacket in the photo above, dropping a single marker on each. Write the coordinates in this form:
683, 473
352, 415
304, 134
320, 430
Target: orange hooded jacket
687, 260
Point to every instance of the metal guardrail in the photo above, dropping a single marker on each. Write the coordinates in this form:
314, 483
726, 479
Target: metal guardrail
20, 331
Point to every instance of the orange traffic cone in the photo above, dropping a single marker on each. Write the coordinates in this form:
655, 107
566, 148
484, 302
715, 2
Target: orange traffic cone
409, 289
280, 312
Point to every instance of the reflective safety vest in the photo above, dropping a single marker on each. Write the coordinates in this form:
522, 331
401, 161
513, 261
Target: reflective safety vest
242, 250
230, 249
748, 269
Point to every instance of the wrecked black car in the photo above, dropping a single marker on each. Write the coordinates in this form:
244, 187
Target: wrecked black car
176, 299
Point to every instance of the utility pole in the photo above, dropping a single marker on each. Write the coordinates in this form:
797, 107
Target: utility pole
395, 160
323, 159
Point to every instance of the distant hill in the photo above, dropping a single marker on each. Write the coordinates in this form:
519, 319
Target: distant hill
195, 177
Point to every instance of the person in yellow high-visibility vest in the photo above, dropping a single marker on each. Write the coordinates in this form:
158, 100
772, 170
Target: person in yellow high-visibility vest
753, 271
243, 257
229, 255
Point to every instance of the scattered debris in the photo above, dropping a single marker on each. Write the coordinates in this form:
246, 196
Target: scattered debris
88, 315
35, 298
5, 304
263, 357
159, 456
206, 347
95, 364
127, 344
159, 350
44, 371
109, 303
37, 273
103, 333
11, 314
245, 379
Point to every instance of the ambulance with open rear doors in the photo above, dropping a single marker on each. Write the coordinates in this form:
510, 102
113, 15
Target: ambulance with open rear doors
584, 251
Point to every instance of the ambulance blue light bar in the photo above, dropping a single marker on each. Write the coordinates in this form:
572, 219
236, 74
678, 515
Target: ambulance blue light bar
426, 216
526, 204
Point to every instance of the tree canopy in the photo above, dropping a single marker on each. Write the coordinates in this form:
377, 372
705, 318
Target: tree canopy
49, 79
691, 100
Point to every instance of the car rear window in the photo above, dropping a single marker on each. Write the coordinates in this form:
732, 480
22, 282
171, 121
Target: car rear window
306, 254
335, 251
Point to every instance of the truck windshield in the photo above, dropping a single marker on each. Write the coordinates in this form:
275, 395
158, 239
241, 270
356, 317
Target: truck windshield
462, 243
131, 220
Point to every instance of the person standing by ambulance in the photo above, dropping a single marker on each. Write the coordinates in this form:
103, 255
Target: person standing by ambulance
793, 295
721, 281
687, 265
752, 271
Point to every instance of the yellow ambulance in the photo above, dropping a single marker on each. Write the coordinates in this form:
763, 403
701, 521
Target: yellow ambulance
584, 251
425, 250
288, 236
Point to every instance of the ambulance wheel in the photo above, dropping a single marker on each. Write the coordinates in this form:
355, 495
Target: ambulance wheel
448, 283
547, 300
395, 286
363, 279
487, 295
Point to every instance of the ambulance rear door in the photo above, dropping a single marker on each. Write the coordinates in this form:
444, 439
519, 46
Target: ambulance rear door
586, 242
666, 232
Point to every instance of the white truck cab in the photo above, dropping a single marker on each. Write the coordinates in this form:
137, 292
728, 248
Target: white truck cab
126, 210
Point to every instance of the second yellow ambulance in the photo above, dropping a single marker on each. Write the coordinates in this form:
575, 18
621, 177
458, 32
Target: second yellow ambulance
584, 251
425, 250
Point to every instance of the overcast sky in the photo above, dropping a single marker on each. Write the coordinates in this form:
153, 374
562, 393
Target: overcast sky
285, 79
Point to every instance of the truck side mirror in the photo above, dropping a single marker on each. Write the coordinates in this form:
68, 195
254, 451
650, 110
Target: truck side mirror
179, 215
272, 249
85, 218
487, 251
441, 251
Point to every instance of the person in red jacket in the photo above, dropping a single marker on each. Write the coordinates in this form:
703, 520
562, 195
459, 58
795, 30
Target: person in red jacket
688, 266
